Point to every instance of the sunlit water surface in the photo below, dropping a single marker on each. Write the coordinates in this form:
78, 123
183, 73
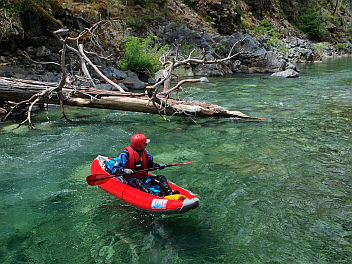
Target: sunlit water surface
271, 191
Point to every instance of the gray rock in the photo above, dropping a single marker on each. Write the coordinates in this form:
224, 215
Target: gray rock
208, 70
114, 74
109, 87
136, 83
49, 77
105, 86
35, 78
95, 75
292, 66
159, 76
289, 73
80, 22
42, 52
123, 87
253, 56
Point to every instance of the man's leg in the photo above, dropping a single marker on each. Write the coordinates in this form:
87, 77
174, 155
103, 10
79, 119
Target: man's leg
137, 183
165, 188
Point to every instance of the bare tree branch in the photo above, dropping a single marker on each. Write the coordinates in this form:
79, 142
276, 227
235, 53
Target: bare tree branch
177, 86
173, 63
160, 101
97, 70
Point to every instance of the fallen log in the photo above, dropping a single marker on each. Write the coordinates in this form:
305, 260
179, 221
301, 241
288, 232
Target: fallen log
20, 90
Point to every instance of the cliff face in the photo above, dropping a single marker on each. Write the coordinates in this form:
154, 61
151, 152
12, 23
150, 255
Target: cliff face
271, 22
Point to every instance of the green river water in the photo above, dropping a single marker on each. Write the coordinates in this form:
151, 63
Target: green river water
271, 191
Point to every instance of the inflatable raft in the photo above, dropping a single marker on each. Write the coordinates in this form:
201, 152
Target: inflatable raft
141, 199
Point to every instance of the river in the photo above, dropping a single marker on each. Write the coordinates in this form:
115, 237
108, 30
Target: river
276, 190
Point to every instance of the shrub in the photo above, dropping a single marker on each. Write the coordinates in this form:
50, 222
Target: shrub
341, 46
265, 24
142, 54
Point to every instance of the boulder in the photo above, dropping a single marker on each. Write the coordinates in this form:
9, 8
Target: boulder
253, 56
136, 83
42, 51
203, 79
114, 74
109, 87
289, 73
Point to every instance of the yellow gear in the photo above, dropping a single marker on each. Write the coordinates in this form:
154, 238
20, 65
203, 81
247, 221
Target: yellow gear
176, 197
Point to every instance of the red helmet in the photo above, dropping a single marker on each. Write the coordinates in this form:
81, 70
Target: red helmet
138, 140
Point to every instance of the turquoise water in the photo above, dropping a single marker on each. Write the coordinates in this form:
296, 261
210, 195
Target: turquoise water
271, 191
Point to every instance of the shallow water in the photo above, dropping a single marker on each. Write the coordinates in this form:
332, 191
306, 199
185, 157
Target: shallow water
271, 191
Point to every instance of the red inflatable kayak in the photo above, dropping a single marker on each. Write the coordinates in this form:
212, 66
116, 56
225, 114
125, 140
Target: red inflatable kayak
141, 199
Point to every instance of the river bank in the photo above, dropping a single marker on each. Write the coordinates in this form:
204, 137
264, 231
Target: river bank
36, 53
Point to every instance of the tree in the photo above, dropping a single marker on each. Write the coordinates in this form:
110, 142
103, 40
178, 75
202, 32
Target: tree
310, 22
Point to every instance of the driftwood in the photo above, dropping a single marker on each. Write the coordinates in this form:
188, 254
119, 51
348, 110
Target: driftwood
22, 90
173, 63
29, 93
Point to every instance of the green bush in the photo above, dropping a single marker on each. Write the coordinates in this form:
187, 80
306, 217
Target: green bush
341, 46
142, 54
265, 24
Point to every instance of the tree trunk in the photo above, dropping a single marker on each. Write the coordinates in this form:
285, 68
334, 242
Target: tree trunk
21, 90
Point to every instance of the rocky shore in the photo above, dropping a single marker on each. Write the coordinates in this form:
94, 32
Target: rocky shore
279, 59
255, 58
260, 55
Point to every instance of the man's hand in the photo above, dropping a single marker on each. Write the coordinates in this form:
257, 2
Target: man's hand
122, 179
162, 166
128, 171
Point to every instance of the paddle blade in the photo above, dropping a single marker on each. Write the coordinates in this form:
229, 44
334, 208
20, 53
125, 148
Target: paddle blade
98, 179
183, 163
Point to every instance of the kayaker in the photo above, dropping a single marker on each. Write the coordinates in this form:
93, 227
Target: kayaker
134, 158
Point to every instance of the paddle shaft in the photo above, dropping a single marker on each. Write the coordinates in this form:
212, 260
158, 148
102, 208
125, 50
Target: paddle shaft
116, 175
92, 178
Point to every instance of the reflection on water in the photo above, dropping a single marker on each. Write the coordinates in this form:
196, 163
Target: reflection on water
272, 191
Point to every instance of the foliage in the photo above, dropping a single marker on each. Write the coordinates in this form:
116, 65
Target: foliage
310, 22
273, 41
319, 49
12, 7
257, 30
189, 49
142, 54
17, 6
150, 3
265, 24
341, 46
143, 17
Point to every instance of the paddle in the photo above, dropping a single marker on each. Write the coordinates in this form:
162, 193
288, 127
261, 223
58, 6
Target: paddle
97, 179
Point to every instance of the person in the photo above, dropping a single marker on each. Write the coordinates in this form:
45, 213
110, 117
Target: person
136, 158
